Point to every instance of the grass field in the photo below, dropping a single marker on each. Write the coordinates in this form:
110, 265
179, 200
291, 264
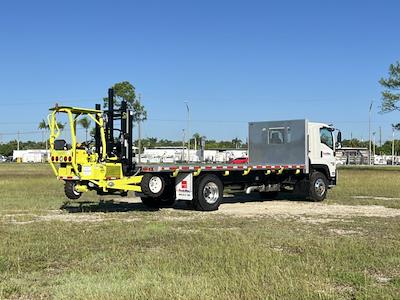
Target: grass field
347, 247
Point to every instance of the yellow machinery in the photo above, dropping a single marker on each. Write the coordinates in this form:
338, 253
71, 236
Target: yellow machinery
106, 165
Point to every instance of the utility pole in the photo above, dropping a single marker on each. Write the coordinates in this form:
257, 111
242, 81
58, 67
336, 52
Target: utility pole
369, 133
183, 144
393, 144
380, 136
374, 145
139, 142
188, 128
18, 140
139, 134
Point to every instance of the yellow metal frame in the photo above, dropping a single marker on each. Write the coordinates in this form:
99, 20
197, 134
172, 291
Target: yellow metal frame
98, 168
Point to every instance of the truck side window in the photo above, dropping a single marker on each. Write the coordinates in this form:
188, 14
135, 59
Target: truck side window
276, 136
326, 137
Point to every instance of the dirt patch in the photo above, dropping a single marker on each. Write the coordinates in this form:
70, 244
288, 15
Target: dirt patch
24, 219
292, 208
375, 198
307, 212
344, 232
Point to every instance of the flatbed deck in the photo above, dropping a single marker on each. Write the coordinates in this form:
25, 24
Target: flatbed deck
193, 167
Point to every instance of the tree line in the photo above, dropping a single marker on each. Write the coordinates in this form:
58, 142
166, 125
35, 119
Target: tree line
7, 149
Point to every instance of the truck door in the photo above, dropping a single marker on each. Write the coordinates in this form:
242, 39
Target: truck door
327, 150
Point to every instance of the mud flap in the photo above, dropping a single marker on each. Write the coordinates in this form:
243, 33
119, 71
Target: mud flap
184, 186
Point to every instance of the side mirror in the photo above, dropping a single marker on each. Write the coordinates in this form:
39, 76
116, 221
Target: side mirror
339, 140
339, 137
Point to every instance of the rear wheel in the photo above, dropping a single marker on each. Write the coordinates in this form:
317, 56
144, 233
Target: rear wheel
318, 187
70, 192
152, 185
208, 193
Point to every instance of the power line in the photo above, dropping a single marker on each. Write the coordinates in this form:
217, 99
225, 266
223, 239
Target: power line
55, 100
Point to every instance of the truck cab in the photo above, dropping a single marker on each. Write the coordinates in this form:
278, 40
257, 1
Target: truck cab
321, 149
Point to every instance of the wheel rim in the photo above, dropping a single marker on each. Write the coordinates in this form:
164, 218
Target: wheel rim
211, 192
73, 189
320, 187
155, 184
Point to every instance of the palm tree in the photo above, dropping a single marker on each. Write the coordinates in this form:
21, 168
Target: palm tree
44, 126
153, 141
196, 140
85, 123
236, 142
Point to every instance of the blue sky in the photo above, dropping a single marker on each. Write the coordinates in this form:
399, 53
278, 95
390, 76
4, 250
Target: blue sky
234, 61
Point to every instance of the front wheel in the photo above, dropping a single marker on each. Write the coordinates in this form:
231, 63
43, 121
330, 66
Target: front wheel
208, 193
70, 192
318, 187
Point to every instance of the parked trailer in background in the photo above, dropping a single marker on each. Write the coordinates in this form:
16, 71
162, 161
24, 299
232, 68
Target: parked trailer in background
293, 155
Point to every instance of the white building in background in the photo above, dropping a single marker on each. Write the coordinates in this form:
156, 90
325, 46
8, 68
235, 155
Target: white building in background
173, 154
31, 156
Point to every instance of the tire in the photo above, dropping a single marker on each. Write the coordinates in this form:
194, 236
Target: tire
70, 192
208, 193
152, 185
267, 195
318, 187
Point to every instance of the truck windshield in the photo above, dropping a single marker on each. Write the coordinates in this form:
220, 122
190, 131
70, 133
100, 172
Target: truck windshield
326, 137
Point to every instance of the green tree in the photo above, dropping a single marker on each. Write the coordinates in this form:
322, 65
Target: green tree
391, 84
126, 91
43, 125
93, 132
236, 142
355, 143
7, 149
85, 123
196, 140
61, 126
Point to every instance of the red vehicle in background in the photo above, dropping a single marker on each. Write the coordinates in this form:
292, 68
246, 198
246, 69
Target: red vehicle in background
240, 160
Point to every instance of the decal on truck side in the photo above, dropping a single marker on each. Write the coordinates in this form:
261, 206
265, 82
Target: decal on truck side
184, 186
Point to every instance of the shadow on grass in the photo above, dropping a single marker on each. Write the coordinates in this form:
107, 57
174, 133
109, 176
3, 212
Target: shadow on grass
255, 197
109, 206
105, 206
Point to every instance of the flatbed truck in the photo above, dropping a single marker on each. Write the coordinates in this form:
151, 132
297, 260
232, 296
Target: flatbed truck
292, 156
289, 155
